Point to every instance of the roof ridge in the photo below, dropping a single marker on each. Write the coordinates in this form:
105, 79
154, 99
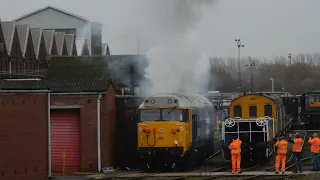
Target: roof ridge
36, 39
8, 32
24, 37
56, 9
48, 42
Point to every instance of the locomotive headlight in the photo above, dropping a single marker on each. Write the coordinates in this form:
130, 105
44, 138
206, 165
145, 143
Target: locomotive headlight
176, 143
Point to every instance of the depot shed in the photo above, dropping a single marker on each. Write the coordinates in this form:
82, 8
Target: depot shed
83, 116
79, 115
24, 117
83, 93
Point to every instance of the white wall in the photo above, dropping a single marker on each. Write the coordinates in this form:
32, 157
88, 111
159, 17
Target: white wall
51, 19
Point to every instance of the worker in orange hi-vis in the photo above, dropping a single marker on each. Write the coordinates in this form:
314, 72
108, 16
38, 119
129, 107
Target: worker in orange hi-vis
282, 148
235, 148
315, 150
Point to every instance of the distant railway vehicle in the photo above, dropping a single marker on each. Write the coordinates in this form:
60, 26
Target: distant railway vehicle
256, 119
310, 107
291, 104
174, 130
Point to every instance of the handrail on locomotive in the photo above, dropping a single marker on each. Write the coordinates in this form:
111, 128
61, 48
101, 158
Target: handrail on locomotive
264, 122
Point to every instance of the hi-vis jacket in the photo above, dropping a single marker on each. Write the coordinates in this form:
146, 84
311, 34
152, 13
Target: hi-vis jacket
315, 144
235, 146
282, 146
297, 145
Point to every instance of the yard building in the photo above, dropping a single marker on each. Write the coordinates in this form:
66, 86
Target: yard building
62, 21
24, 131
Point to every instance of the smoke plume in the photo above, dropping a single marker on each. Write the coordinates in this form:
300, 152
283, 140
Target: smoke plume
176, 62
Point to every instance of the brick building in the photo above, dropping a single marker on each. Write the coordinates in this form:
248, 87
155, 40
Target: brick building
81, 95
75, 114
23, 131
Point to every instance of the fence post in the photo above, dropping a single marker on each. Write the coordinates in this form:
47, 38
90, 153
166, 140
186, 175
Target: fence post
63, 161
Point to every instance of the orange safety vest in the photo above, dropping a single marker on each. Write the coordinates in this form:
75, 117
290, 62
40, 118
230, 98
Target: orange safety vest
235, 146
282, 147
315, 144
297, 145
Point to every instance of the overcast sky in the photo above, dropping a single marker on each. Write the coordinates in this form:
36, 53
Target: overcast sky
267, 28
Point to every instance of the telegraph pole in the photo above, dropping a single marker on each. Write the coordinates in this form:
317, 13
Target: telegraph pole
239, 45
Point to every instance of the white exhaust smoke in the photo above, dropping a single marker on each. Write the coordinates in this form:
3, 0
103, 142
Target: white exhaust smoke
176, 62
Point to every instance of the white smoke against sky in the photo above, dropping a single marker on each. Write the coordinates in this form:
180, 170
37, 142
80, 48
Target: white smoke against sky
176, 62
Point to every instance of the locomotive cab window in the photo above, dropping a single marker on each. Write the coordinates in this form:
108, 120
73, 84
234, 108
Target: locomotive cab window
253, 111
175, 115
149, 115
268, 110
237, 111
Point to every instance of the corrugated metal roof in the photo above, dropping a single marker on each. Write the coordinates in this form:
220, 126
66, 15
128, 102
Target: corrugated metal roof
36, 34
23, 34
116, 68
48, 36
8, 28
60, 38
70, 43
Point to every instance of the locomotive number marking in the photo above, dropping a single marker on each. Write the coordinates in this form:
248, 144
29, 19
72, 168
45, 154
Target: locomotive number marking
160, 138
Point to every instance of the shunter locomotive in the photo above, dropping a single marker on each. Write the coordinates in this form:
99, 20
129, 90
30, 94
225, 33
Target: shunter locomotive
175, 130
256, 119
310, 107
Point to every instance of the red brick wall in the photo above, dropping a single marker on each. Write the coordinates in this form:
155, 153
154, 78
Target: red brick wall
108, 130
88, 125
23, 136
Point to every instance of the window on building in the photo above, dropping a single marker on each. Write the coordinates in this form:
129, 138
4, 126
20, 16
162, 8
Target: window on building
252, 111
237, 111
268, 110
71, 31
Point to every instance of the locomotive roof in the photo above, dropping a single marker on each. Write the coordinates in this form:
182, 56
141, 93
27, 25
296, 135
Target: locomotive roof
183, 100
313, 92
274, 98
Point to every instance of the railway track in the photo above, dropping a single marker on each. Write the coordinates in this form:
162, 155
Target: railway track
217, 147
225, 169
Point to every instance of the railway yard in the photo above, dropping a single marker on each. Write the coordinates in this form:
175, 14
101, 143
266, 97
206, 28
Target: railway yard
216, 167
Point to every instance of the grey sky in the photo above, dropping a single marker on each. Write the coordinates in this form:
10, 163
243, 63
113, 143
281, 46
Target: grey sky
267, 28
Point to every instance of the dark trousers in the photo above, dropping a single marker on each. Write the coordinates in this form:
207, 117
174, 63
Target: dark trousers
315, 161
296, 157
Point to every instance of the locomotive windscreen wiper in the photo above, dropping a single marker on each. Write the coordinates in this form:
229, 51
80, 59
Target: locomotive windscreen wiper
172, 109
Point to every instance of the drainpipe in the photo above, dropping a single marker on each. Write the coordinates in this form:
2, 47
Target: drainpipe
49, 137
98, 133
10, 68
